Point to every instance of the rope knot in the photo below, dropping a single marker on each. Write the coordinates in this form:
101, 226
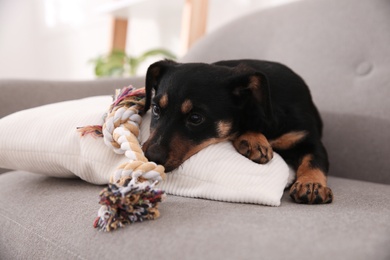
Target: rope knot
130, 196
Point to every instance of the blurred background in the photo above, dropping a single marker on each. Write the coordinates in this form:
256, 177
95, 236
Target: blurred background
85, 39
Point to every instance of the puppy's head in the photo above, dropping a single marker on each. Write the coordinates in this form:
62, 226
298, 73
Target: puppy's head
195, 105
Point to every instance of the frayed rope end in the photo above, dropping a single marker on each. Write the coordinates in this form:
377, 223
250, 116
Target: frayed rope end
135, 205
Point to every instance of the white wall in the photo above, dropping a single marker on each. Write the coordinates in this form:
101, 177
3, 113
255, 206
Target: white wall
32, 46
37, 45
224, 11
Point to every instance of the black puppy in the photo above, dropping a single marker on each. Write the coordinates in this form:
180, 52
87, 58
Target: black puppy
261, 106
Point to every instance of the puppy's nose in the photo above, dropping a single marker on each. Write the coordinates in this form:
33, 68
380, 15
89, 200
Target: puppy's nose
156, 153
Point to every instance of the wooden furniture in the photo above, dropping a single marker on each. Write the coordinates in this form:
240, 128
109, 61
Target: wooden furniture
193, 25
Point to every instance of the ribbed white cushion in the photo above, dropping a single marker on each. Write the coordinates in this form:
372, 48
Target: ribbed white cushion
44, 140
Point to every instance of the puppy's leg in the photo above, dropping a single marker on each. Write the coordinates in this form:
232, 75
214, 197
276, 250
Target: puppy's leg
254, 146
310, 161
310, 186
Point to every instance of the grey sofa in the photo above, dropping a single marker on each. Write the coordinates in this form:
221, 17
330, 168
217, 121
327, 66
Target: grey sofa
342, 49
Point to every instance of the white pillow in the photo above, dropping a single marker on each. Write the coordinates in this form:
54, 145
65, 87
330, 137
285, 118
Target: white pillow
45, 140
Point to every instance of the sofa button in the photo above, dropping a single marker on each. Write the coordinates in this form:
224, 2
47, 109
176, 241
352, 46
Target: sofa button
364, 68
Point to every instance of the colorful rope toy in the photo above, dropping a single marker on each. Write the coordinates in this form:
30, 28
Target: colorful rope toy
131, 195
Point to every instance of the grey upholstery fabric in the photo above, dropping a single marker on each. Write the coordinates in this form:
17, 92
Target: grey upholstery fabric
342, 50
22, 94
358, 146
48, 218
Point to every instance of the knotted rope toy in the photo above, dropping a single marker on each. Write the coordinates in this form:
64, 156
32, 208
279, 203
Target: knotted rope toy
131, 195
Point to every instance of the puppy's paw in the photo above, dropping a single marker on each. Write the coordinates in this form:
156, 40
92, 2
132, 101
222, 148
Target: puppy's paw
311, 193
255, 147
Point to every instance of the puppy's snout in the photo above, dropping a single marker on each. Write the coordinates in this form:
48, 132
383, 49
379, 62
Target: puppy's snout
156, 153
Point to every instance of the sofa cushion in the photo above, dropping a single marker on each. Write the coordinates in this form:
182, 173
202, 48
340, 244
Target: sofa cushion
357, 146
51, 218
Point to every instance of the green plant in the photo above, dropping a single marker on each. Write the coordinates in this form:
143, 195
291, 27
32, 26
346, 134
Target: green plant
119, 64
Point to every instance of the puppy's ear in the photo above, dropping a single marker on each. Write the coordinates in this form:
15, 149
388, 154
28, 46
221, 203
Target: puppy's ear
251, 88
153, 76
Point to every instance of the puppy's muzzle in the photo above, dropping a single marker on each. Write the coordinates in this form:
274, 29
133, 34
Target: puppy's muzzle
156, 153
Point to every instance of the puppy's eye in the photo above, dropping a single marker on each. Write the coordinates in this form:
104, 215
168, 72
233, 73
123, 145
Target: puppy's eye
195, 119
156, 111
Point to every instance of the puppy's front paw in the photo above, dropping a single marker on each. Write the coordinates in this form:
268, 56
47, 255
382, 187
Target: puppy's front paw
255, 147
311, 193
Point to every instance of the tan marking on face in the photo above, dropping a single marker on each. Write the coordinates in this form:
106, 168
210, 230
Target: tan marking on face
195, 149
178, 148
306, 173
163, 101
182, 149
186, 106
223, 128
288, 140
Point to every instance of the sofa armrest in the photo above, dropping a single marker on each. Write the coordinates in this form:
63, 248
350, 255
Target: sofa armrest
22, 94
